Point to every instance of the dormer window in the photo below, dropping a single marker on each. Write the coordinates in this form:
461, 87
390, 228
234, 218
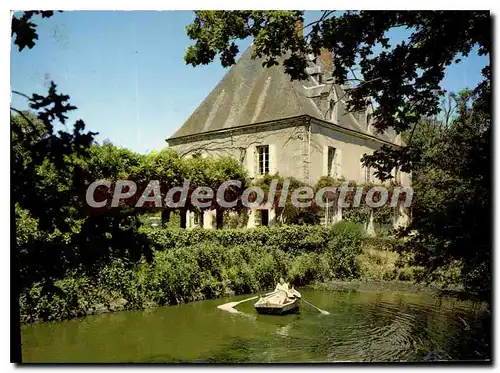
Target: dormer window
368, 122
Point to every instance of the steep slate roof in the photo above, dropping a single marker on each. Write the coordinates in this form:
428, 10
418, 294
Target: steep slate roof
250, 93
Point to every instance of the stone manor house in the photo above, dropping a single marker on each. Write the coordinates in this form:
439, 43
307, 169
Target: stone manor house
274, 125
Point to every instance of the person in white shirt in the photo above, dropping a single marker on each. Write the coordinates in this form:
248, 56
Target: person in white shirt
284, 293
281, 294
281, 286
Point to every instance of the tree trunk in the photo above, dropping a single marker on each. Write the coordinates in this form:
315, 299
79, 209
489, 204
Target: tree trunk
165, 216
219, 216
264, 217
183, 218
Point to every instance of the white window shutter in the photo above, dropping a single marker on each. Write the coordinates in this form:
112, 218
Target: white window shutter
338, 163
325, 160
250, 160
256, 168
272, 159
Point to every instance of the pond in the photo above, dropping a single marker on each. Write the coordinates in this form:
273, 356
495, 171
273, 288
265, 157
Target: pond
362, 326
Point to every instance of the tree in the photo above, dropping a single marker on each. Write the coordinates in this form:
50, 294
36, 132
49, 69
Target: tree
58, 231
167, 168
288, 213
36, 143
212, 172
24, 29
452, 183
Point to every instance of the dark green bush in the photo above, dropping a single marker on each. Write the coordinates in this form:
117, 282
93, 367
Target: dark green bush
382, 243
195, 264
287, 238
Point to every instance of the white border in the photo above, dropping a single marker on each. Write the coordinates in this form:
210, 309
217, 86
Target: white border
186, 4
256, 4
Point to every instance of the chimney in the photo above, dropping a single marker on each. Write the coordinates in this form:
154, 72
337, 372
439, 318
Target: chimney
299, 27
327, 58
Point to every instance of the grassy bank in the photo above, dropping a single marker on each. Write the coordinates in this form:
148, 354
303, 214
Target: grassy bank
189, 265
381, 261
395, 286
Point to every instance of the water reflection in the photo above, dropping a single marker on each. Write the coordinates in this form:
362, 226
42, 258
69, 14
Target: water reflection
362, 326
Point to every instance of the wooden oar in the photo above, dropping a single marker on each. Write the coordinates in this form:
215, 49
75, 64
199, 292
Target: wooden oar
230, 306
319, 309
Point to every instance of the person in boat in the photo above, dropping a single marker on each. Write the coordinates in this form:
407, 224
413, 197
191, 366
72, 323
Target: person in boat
281, 294
281, 286
289, 294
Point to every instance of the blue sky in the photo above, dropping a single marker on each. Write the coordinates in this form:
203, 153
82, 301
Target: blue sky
126, 73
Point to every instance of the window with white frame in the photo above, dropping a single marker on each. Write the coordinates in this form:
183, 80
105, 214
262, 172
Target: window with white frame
263, 159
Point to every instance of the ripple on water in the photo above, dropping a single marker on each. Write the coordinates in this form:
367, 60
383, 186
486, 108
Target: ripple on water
362, 326
398, 328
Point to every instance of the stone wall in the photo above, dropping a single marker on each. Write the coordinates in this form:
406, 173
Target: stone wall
349, 148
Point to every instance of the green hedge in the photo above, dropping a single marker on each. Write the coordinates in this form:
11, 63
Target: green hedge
190, 265
286, 238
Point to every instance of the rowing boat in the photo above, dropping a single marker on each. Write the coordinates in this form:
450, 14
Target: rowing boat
278, 303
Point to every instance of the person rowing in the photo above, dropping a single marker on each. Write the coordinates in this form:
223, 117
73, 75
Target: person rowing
283, 293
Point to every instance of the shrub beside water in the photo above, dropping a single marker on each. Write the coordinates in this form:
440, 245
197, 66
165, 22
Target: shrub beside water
286, 238
197, 264
381, 260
